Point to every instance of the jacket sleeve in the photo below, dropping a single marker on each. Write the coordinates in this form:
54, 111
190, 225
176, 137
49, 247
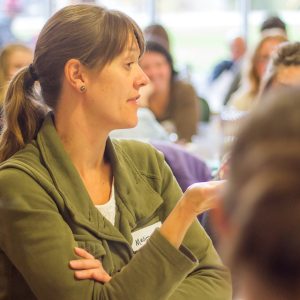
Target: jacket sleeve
209, 279
40, 244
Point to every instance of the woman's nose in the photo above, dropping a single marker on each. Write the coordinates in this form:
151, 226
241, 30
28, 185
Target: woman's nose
142, 79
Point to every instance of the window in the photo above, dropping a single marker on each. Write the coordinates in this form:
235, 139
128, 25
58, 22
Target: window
22, 20
198, 29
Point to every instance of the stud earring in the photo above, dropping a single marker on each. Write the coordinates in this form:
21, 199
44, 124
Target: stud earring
82, 89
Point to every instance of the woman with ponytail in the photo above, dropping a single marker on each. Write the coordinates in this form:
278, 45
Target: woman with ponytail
75, 204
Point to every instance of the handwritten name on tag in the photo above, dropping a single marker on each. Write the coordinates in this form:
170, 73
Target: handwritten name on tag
141, 236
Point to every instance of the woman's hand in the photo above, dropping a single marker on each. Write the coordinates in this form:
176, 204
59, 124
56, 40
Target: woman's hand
197, 199
200, 197
88, 267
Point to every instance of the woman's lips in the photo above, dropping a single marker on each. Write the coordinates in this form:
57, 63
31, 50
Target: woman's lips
134, 99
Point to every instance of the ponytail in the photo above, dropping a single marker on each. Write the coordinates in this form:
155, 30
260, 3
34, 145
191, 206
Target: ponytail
22, 113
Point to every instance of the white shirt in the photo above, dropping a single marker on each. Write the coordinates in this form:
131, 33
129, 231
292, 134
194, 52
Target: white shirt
108, 210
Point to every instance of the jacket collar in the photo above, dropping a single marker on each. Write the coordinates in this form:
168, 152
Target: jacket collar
135, 198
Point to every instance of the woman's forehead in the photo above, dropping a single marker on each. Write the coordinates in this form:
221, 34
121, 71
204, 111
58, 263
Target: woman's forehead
132, 46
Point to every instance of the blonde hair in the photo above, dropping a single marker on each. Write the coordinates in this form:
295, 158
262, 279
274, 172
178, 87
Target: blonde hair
251, 82
6, 52
286, 55
92, 34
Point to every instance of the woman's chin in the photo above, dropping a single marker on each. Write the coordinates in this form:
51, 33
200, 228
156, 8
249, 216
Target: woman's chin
130, 124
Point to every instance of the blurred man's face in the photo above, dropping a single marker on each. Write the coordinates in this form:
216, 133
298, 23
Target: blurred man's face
238, 48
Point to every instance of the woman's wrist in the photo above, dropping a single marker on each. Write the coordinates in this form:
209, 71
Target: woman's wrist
197, 199
178, 222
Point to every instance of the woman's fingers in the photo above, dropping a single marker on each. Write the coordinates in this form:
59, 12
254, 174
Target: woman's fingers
84, 264
88, 267
82, 253
88, 261
94, 274
203, 196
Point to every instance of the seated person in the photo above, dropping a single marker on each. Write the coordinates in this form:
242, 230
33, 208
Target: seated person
13, 57
71, 197
174, 102
246, 96
283, 69
225, 76
237, 47
157, 33
273, 22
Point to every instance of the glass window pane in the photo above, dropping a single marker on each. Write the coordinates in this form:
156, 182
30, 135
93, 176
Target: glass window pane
139, 10
22, 20
200, 31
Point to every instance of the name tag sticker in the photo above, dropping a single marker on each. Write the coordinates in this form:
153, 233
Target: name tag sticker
141, 236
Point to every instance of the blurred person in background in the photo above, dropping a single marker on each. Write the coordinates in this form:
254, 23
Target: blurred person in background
237, 46
174, 102
273, 22
157, 33
226, 75
258, 221
13, 57
245, 97
283, 69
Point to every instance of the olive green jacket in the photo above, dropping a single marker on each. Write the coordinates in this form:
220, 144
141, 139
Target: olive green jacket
45, 211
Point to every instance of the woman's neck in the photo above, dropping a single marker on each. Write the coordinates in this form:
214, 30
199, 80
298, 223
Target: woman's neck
86, 147
84, 144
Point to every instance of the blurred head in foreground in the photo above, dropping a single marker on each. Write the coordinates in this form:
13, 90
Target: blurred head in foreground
259, 217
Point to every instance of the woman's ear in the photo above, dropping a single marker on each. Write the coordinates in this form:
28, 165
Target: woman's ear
75, 74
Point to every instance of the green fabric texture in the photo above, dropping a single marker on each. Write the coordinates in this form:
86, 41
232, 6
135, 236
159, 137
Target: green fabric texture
45, 211
205, 110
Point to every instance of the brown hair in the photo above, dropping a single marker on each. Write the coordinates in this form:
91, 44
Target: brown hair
92, 34
157, 33
263, 195
152, 46
4, 67
272, 22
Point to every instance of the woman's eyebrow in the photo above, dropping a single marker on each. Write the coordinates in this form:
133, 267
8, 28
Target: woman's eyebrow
132, 52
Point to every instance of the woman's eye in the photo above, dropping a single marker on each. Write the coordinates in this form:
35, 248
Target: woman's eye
129, 65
